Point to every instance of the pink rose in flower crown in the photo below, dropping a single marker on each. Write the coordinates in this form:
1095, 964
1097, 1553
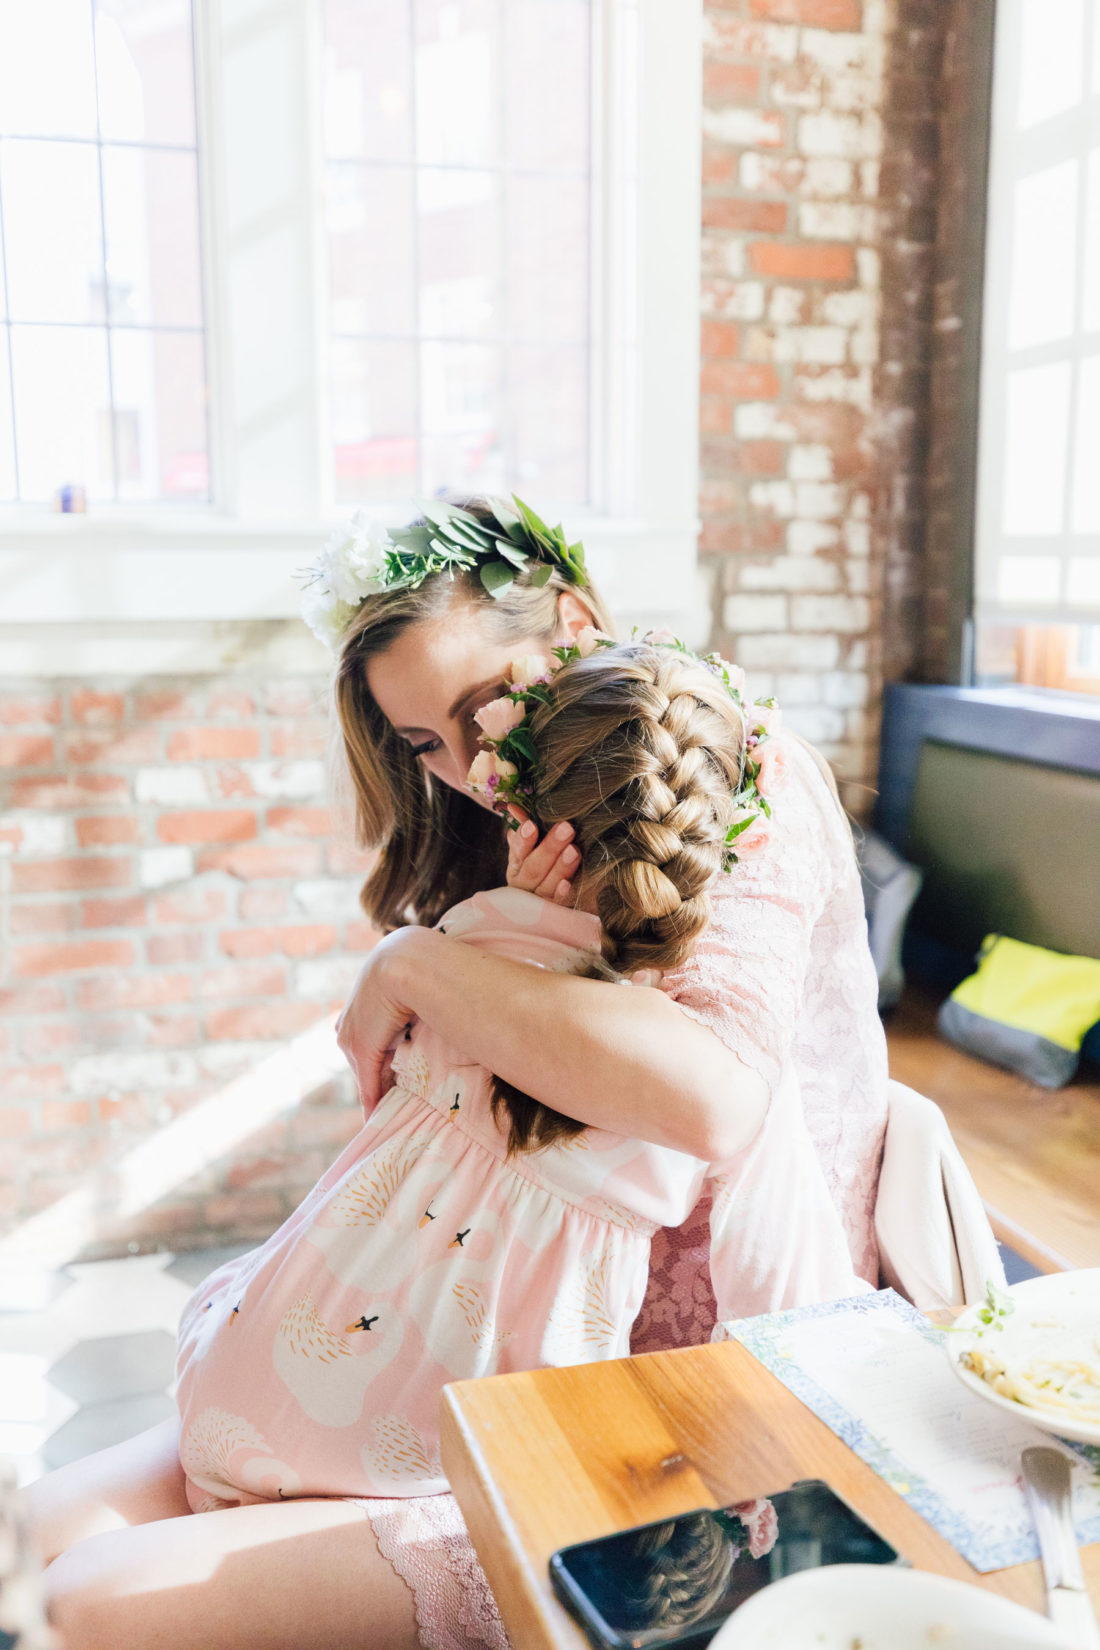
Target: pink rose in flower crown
533, 667
761, 1524
487, 770
768, 717
736, 676
754, 837
499, 717
772, 771
660, 638
588, 639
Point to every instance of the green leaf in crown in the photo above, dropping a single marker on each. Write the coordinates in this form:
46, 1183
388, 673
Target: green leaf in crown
453, 539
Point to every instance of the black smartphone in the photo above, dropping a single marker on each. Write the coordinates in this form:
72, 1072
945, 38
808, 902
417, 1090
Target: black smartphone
676, 1582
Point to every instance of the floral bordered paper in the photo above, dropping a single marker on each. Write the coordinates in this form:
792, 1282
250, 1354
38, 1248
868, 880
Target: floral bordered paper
997, 1534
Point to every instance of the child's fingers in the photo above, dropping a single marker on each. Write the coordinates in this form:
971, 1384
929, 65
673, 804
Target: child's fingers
520, 843
545, 863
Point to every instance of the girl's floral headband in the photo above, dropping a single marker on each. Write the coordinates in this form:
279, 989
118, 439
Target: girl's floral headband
504, 770
362, 557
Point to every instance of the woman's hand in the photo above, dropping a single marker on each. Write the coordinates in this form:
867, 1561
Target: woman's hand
375, 1018
545, 867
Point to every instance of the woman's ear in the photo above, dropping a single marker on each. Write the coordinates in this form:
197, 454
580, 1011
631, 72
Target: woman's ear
572, 614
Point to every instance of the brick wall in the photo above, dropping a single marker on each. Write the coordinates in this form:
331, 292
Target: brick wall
174, 908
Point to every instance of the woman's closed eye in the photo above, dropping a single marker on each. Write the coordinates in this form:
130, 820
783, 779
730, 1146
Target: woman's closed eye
428, 748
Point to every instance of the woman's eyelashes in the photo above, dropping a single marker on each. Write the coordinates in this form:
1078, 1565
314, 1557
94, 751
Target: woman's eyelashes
428, 748
431, 746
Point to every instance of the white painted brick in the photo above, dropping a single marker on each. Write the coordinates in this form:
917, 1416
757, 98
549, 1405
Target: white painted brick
855, 388
753, 613
860, 507
853, 93
743, 302
750, 169
865, 346
777, 496
788, 652
857, 538
130, 1072
790, 573
744, 128
328, 897
836, 50
762, 685
810, 463
836, 221
786, 305
869, 268
818, 500
868, 178
799, 687
845, 689
38, 833
806, 538
812, 346
857, 656
848, 309
856, 724
298, 781
761, 420
171, 787
859, 577
158, 867
817, 723
778, 41
326, 977
722, 254
802, 92
847, 136
840, 613
826, 176
221, 1062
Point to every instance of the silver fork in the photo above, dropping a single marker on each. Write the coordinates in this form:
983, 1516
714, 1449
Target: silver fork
1049, 1496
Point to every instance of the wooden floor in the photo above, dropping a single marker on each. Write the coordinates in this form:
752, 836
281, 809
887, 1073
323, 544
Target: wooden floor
1034, 1153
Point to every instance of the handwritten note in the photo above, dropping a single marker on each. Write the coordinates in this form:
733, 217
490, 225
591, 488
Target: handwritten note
874, 1370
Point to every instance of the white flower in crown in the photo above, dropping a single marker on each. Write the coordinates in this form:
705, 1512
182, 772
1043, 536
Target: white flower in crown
352, 562
326, 615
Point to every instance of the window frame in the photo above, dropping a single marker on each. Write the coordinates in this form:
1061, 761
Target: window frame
258, 95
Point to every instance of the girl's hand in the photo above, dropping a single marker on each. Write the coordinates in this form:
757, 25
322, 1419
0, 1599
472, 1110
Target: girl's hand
545, 867
374, 1021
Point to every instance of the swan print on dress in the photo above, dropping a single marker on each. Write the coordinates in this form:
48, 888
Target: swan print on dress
399, 1453
321, 1369
223, 1453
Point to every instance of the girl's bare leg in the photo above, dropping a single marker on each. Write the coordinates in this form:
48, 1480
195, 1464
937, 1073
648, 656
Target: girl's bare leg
130, 1483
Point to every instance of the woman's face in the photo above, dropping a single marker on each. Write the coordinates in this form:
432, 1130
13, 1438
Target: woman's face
431, 680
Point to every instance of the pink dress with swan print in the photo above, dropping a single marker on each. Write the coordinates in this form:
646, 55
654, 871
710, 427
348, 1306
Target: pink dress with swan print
313, 1364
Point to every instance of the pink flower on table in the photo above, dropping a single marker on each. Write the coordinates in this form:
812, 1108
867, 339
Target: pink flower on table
499, 717
488, 770
588, 639
772, 771
533, 667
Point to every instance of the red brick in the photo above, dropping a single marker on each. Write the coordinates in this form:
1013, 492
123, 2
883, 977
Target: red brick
360, 936
41, 1038
248, 1022
344, 859
292, 699
306, 940
721, 538
802, 262
68, 790
77, 954
262, 903
102, 830
174, 1030
719, 163
300, 821
222, 825
244, 1209
715, 416
115, 913
136, 991
718, 338
231, 781
44, 916
183, 946
12, 836
32, 999
276, 1170
191, 905
305, 739
19, 710
26, 750
230, 701
48, 876
819, 14
117, 746
730, 82
31, 1082
97, 708
244, 980
744, 380
66, 1114
726, 212
761, 458
213, 744
15, 1121
167, 705
262, 860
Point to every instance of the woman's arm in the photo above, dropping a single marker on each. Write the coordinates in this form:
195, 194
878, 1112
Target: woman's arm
627, 1060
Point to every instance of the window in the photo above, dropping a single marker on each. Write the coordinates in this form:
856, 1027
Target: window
102, 372
1038, 520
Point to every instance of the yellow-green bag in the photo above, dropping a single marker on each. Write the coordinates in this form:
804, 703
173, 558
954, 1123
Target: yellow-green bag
1025, 1008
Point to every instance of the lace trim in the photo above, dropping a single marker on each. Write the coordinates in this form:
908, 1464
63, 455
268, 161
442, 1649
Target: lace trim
426, 1541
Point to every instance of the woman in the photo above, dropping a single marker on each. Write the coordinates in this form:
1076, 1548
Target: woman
781, 985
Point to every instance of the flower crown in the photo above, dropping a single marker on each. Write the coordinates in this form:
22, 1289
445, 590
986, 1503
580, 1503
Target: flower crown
362, 557
505, 769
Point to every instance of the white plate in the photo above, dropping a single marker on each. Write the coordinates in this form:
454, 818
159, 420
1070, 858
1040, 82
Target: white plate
1071, 1300
882, 1607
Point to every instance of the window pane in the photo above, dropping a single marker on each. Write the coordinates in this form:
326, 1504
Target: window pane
548, 258
1044, 242
152, 216
1051, 58
1028, 581
52, 231
47, 75
160, 414
460, 392
7, 447
146, 76
374, 419
1083, 583
547, 84
457, 42
62, 437
459, 252
1091, 317
372, 244
1085, 515
548, 399
368, 80
1035, 449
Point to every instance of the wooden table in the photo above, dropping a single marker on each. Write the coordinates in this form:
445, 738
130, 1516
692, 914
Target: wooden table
560, 1455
